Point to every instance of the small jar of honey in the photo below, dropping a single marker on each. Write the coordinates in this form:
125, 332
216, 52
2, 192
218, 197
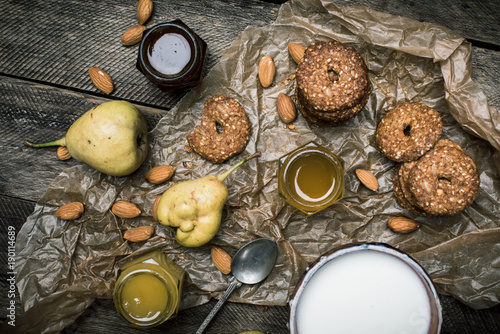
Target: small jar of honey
171, 55
311, 178
148, 289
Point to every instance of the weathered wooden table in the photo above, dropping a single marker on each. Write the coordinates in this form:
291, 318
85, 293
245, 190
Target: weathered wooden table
46, 48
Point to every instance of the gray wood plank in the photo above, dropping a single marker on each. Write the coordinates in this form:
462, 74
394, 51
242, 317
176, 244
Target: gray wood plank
40, 42
486, 72
232, 318
475, 20
57, 41
45, 88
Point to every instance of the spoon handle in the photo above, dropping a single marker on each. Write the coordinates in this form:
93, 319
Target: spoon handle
234, 284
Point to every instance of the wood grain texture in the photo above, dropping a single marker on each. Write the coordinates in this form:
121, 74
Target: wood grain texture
45, 52
57, 41
486, 72
476, 20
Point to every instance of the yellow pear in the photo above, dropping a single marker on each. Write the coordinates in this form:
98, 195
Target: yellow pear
111, 137
194, 207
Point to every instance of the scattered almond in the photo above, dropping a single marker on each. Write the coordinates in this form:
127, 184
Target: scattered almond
221, 260
63, 153
140, 233
267, 69
296, 51
101, 80
159, 174
144, 10
133, 35
155, 207
286, 108
124, 209
70, 211
367, 178
403, 225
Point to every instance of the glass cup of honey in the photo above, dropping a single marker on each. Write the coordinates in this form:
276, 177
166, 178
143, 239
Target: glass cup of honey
311, 178
148, 290
172, 56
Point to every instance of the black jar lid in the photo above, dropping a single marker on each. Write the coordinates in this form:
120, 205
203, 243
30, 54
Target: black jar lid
191, 73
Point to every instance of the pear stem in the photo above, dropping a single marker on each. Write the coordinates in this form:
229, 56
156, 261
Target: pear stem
59, 142
223, 176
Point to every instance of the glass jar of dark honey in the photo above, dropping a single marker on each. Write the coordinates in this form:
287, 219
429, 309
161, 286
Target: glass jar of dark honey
311, 178
172, 56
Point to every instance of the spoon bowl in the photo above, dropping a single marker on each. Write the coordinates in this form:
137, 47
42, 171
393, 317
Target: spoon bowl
251, 264
254, 261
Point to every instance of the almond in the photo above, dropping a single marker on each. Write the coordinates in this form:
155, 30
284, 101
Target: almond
140, 233
155, 207
124, 209
70, 211
63, 153
144, 10
296, 51
267, 69
286, 108
221, 260
403, 225
101, 80
133, 35
367, 178
159, 174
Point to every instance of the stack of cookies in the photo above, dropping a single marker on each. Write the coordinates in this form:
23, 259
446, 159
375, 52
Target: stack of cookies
332, 83
434, 177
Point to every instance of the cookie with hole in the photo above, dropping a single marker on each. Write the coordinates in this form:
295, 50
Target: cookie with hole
445, 181
408, 131
332, 83
224, 130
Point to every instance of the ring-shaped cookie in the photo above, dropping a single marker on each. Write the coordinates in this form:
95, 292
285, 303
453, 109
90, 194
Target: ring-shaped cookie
223, 132
401, 188
332, 76
322, 118
408, 131
444, 181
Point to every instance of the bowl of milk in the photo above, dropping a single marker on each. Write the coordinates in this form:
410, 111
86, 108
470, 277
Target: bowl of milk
365, 288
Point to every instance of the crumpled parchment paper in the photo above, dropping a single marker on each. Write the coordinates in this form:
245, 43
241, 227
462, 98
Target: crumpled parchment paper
69, 264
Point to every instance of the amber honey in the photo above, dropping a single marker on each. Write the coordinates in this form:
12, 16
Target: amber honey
144, 297
311, 178
148, 290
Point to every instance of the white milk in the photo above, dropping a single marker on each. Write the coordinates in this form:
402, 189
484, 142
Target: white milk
364, 292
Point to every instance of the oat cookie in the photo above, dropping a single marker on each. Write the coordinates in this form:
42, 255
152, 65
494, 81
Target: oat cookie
311, 118
398, 191
408, 131
405, 170
332, 118
448, 143
332, 76
444, 181
218, 145
407, 201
